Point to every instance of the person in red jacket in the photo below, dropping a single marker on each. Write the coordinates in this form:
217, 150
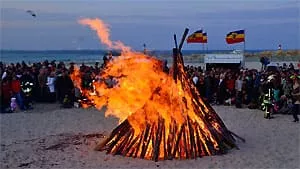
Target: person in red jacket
230, 85
16, 90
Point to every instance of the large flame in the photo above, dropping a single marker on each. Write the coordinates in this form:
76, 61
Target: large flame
142, 92
103, 33
142, 86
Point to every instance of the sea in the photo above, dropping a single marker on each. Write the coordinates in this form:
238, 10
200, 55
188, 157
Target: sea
92, 56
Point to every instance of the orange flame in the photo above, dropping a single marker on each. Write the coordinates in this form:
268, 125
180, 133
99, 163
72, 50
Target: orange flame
103, 33
134, 87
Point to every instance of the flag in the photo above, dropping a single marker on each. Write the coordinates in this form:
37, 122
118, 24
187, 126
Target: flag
235, 37
204, 39
197, 37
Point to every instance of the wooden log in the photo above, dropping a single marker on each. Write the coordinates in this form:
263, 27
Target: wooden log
169, 145
175, 40
192, 138
209, 127
202, 141
172, 140
157, 140
102, 146
185, 145
175, 67
137, 148
180, 149
122, 143
186, 31
146, 140
176, 147
129, 148
165, 143
237, 136
209, 143
198, 143
120, 136
130, 140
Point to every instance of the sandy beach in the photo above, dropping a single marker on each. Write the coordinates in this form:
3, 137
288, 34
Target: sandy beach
117, 54
52, 137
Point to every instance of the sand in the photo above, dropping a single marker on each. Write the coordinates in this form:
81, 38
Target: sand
52, 137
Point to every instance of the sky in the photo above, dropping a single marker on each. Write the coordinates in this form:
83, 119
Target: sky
267, 23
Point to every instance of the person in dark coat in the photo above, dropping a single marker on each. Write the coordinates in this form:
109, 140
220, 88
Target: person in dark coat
208, 85
65, 87
296, 98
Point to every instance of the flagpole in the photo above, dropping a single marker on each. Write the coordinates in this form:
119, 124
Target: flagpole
202, 43
244, 40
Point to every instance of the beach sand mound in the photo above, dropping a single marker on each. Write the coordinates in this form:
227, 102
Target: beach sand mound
50, 137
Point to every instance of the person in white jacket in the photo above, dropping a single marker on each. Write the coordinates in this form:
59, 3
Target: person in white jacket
51, 85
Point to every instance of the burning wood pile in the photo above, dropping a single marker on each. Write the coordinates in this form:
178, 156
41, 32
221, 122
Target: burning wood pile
162, 116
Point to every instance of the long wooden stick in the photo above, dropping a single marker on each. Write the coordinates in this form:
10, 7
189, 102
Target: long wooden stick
147, 138
186, 31
192, 137
237, 136
178, 140
175, 40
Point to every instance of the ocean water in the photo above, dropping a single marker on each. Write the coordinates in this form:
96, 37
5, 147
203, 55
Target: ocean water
92, 56
76, 56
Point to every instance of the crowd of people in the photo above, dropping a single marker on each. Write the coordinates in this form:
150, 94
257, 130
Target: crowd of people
272, 91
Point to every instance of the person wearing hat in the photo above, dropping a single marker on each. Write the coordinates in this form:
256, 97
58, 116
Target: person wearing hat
296, 98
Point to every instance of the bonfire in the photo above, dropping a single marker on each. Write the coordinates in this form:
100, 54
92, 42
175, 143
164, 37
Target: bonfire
161, 115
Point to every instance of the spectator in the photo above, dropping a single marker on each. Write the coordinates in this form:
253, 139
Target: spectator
221, 89
16, 92
296, 98
6, 94
42, 80
51, 87
66, 88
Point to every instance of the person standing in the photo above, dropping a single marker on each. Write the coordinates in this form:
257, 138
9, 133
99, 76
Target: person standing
238, 89
296, 98
208, 82
51, 86
42, 80
221, 90
16, 89
5, 95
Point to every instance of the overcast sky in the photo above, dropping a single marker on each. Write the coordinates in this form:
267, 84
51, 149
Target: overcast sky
267, 23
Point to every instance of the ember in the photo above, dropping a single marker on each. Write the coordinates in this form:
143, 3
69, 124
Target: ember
162, 116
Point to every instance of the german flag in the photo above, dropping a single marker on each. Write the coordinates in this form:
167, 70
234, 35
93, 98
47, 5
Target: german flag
197, 37
235, 37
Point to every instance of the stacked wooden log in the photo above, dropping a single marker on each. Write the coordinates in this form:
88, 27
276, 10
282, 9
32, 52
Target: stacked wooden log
187, 140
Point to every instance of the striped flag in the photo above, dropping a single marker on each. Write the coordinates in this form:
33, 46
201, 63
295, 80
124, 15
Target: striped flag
235, 37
